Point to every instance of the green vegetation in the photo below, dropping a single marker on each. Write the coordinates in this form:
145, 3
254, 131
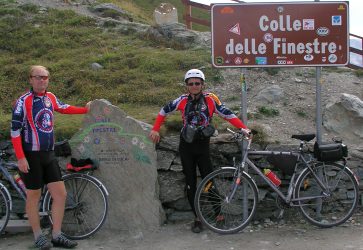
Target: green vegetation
336, 69
272, 71
266, 111
301, 112
359, 72
260, 137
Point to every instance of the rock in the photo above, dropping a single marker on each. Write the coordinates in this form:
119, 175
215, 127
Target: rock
96, 66
345, 117
270, 94
165, 13
172, 186
119, 145
112, 11
165, 159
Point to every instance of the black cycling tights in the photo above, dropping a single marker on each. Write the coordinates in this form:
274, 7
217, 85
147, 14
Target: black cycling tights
193, 155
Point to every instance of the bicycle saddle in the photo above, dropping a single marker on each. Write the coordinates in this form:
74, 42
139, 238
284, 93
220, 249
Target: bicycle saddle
305, 137
80, 165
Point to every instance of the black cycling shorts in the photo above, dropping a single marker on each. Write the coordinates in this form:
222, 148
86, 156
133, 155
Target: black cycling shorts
44, 169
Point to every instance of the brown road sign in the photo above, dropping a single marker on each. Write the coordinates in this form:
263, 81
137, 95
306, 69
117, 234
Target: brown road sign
280, 34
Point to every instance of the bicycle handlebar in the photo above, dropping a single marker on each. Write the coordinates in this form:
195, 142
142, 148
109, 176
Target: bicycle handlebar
243, 134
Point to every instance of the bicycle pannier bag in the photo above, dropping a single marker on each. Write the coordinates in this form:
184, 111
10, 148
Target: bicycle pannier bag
62, 148
286, 163
330, 152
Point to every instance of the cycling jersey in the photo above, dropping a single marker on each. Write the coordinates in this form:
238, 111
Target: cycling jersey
32, 121
211, 105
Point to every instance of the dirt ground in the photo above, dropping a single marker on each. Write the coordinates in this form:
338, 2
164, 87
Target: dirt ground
289, 235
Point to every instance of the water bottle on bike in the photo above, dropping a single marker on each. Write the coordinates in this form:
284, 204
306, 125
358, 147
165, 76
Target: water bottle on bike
272, 176
20, 182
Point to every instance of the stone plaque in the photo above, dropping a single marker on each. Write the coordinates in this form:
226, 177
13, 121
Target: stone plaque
126, 160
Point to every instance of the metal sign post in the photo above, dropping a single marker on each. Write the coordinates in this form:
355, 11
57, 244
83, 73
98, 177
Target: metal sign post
319, 119
244, 143
243, 96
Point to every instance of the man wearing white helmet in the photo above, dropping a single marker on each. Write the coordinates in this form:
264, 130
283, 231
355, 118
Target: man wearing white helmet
197, 108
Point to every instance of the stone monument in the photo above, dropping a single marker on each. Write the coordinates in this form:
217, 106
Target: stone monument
126, 160
165, 14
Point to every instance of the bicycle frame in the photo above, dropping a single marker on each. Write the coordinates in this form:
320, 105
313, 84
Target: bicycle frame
9, 177
326, 193
5, 172
288, 197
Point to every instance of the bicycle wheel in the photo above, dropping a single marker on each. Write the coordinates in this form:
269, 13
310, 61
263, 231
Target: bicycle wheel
217, 210
86, 206
4, 208
333, 206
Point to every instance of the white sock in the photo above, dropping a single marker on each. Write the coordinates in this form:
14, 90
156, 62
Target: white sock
56, 234
37, 234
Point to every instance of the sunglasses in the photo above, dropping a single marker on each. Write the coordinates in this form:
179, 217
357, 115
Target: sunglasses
40, 77
193, 83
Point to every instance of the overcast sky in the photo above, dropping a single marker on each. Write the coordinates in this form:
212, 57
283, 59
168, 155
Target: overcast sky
355, 11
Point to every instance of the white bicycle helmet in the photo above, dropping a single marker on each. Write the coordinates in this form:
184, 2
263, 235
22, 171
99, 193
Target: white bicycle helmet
194, 73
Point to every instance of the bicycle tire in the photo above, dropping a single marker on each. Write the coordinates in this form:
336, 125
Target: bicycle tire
339, 205
86, 206
4, 208
211, 203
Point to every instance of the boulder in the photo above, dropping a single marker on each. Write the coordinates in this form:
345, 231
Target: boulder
127, 165
270, 94
345, 117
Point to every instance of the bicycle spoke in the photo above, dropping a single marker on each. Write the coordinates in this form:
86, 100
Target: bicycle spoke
86, 206
219, 213
329, 207
4, 211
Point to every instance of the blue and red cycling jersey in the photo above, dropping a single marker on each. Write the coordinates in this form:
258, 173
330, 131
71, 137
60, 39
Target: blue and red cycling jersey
202, 118
32, 124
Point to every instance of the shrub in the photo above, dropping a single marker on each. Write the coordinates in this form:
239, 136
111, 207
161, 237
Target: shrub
272, 71
260, 136
266, 111
359, 72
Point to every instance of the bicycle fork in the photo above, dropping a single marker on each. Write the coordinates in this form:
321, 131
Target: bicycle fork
236, 183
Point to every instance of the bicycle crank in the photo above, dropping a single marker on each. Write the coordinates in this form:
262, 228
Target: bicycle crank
281, 203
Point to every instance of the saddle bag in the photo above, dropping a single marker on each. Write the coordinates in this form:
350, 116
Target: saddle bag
330, 152
80, 165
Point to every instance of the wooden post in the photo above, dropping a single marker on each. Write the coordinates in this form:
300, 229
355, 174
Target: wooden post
187, 13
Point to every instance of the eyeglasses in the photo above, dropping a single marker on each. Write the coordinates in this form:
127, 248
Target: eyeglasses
40, 77
193, 83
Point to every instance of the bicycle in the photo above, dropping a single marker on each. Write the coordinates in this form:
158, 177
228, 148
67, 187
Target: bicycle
85, 193
326, 193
